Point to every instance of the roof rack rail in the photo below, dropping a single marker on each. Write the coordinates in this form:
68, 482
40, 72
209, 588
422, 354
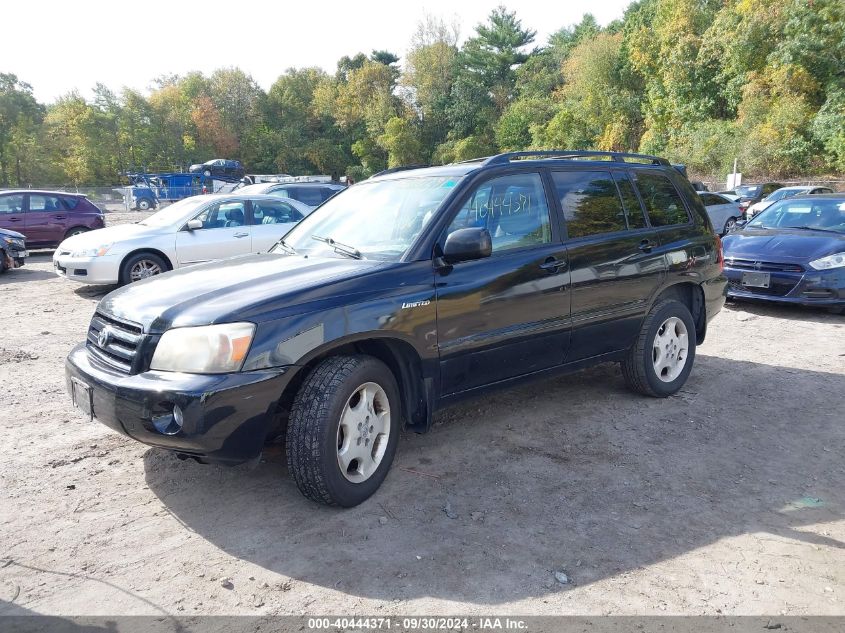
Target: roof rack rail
501, 159
402, 168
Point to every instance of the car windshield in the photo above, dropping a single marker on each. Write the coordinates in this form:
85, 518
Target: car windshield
374, 220
176, 212
780, 194
822, 215
253, 189
748, 191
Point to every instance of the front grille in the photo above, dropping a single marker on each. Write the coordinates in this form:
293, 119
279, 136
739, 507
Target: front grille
771, 267
778, 288
122, 342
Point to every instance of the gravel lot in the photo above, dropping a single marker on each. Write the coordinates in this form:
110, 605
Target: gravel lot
725, 499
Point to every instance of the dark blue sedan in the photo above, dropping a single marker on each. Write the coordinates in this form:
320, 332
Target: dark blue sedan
793, 252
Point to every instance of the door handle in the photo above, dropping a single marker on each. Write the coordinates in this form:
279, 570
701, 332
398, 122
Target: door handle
14, 219
60, 217
241, 234
553, 265
646, 246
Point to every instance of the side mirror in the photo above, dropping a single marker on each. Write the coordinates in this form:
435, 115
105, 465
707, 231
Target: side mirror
193, 225
467, 244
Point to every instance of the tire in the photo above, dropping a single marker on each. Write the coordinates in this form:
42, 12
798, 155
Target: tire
3, 266
77, 230
730, 225
144, 204
640, 367
318, 443
140, 266
207, 173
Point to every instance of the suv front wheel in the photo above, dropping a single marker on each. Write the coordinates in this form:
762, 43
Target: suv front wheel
343, 430
661, 359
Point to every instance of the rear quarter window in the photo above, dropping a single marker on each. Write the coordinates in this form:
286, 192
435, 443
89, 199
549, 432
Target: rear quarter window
70, 201
663, 203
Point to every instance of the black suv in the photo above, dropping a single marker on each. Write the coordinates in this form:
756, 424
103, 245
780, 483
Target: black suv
400, 295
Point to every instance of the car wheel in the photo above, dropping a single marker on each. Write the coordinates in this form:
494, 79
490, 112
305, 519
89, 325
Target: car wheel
730, 225
77, 230
207, 173
343, 430
3, 266
144, 204
660, 361
140, 266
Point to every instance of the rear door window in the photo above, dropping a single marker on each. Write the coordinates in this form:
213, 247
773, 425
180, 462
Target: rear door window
309, 195
590, 202
633, 209
662, 201
39, 202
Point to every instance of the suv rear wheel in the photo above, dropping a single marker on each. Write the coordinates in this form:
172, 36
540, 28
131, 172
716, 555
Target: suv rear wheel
343, 430
661, 359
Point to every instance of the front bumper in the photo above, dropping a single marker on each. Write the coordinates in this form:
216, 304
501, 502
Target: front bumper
226, 416
825, 288
89, 270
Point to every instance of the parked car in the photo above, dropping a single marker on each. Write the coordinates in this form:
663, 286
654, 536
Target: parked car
749, 194
311, 193
793, 252
723, 211
407, 292
13, 251
219, 168
48, 217
193, 230
780, 194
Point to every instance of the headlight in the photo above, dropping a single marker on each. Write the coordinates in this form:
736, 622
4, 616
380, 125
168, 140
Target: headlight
210, 349
99, 251
837, 260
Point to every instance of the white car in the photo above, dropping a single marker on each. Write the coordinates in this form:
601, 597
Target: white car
191, 231
723, 211
780, 194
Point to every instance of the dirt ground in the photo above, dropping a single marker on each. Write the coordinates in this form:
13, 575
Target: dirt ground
728, 498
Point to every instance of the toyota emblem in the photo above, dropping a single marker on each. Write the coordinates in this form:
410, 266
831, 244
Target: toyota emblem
104, 337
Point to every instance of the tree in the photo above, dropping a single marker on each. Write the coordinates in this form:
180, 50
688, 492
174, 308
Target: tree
20, 118
493, 54
428, 77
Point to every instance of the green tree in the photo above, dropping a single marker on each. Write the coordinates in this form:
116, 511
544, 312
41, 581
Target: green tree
20, 119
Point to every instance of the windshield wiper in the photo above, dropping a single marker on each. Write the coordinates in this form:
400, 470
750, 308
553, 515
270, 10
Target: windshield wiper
811, 228
290, 249
339, 247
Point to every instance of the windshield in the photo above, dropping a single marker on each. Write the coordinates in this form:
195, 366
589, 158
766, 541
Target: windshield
824, 215
748, 191
253, 189
780, 194
373, 220
175, 212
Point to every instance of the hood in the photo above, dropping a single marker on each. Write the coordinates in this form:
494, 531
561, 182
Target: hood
235, 289
782, 245
13, 234
93, 239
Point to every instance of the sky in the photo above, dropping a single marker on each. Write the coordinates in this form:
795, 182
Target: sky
57, 46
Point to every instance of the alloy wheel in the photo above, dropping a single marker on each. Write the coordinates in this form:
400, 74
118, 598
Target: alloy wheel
143, 269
